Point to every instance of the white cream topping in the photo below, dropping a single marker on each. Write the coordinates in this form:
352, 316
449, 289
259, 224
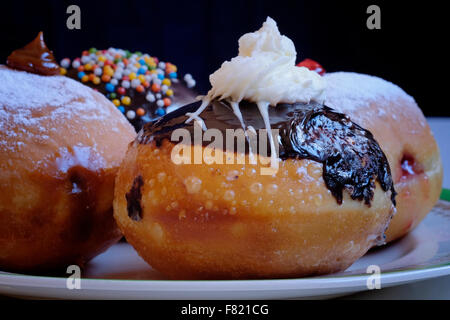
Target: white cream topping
265, 70
265, 73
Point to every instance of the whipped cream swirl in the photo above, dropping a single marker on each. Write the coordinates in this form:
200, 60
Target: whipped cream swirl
265, 73
265, 70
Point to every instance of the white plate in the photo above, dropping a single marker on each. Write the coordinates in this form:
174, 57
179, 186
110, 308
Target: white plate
120, 273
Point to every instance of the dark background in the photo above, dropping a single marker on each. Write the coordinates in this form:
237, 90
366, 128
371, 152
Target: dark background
199, 35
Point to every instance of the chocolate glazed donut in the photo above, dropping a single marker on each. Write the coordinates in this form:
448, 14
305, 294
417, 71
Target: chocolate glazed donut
327, 197
351, 158
330, 201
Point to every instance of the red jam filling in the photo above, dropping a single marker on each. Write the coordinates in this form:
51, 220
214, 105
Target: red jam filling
409, 166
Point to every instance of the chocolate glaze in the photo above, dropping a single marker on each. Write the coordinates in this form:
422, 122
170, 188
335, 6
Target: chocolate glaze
84, 186
134, 199
351, 157
35, 57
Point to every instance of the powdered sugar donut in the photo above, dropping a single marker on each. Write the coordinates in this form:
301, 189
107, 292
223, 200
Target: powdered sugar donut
60, 146
400, 128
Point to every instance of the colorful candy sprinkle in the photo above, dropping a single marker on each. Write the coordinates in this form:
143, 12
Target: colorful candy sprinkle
160, 103
128, 78
160, 112
121, 90
126, 100
140, 111
131, 114
75, 64
65, 63
140, 88
109, 87
167, 102
106, 78
156, 87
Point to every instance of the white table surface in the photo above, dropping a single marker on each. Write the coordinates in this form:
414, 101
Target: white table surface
438, 288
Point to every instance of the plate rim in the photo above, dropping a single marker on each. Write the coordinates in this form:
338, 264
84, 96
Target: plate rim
445, 196
310, 285
442, 266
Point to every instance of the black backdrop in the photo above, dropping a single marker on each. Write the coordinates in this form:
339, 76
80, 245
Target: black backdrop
199, 35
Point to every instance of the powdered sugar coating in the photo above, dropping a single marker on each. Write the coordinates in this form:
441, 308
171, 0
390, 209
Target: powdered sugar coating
352, 90
54, 113
351, 93
19, 93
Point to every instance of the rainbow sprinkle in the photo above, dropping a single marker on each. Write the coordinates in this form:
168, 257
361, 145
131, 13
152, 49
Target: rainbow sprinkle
130, 80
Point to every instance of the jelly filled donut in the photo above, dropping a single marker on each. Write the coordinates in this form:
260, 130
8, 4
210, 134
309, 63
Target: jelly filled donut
399, 126
308, 190
61, 144
140, 86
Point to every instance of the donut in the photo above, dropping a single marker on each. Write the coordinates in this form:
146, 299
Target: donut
229, 222
61, 144
259, 179
142, 87
400, 128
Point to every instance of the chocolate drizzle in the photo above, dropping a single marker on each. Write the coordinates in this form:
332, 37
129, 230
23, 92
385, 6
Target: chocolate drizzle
35, 57
134, 199
351, 157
